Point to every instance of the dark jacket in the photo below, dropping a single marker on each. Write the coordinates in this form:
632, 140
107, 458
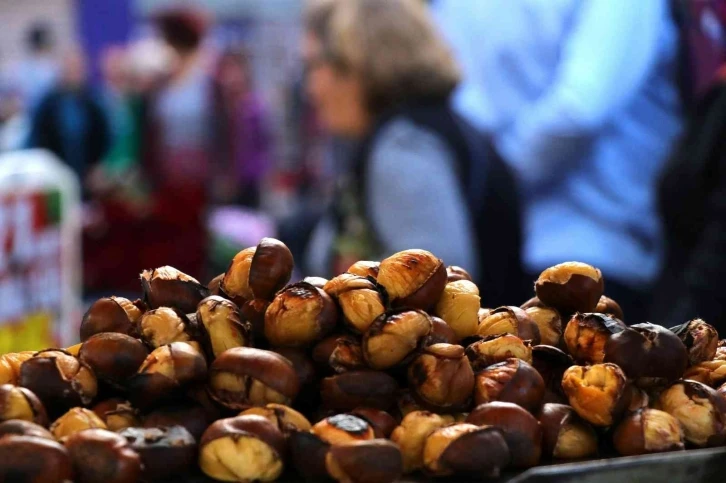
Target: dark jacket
692, 199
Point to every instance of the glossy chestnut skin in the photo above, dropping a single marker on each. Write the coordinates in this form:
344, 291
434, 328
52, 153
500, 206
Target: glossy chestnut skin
459, 306
339, 353
699, 409
520, 429
111, 314
117, 413
113, 357
466, 449
551, 363
441, 378
382, 423
365, 268
318, 282
243, 448
214, 285
299, 315
33, 460
254, 312
395, 337
59, 380
74, 421
165, 452
165, 372
101, 456
168, 287
497, 348
606, 305
455, 273
222, 326
565, 435
549, 322
441, 333
510, 320
587, 334
512, 381
375, 461
20, 403
650, 354
598, 393
413, 278
711, 373
308, 454
259, 272
570, 287
165, 325
273, 378
302, 363
284, 418
343, 428
347, 391
191, 416
359, 300
10, 366
412, 433
648, 431
700, 338
20, 427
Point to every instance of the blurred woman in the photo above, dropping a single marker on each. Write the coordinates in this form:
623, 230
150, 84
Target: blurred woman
378, 73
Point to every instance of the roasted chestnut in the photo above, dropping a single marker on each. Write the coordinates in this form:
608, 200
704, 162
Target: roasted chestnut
598, 393
308, 453
284, 418
36, 460
254, 312
20, 403
317, 282
520, 429
299, 315
454, 274
720, 351
302, 363
699, 409
406, 403
165, 325
340, 353
548, 322
606, 305
191, 416
59, 380
497, 348
118, 414
359, 300
382, 423
113, 357
587, 334
551, 363
533, 302
411, 436
259, 272
375, 461
459, 307
413, 278
700, 338
347, 391
512, 381
75, 420
441, 378
566, 436
466, 449
649, 354
243, 377
343, 428
20, 427
510, 320
165, 452
441, 333
214, 285
243, 448
168, 287
111, 314
365, 268
10, 366
648, 431
711, 373
222, 325
570, 287
394, 337
165, 371
100, 456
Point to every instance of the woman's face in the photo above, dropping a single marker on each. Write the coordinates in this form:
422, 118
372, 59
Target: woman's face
337, 96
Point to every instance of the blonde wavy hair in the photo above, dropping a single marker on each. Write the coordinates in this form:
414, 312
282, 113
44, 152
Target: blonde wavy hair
391, 45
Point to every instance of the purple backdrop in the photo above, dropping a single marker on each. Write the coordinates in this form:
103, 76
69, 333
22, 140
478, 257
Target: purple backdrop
102, 23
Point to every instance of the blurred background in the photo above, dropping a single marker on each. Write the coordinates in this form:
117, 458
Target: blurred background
505, 136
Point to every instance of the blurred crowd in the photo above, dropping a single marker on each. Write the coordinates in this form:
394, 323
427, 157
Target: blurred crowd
505, 136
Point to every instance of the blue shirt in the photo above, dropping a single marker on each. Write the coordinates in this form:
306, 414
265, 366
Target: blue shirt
580, 97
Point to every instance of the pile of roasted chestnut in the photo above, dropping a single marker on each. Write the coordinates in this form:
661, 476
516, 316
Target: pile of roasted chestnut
391, 368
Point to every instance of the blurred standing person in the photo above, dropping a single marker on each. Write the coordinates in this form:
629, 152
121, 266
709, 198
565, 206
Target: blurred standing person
582, 102
378, 73
38, 72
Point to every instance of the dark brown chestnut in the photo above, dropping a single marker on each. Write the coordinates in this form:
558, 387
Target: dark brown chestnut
570, 287
10, 366
299, 315
412, 434
341, 353
700, 338
191, 416
441, 378
599, 393
168, 287
221, 323
253, 311
497, 348
549, 322
365, 268
347, 391
649, 354
551, 363
648, 431
512, 381
284, 418
165, 452
711, 373
308, 454
459, 306
413, 278
111, 314
74, 421
302, 363
359, 299
375, 461
343, 428
699, 409
565, 435
243, 377
20, 427
395, 337
382, 423
587, 334
214, 285
520, 429
20, 403
100, 456
510, 320
454, 273
113, 357
243, 448
33, 460
441, 333
117, 413
533, 302
259, 272
165, 325
606, 305
318, 282
406, 403
466, 449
